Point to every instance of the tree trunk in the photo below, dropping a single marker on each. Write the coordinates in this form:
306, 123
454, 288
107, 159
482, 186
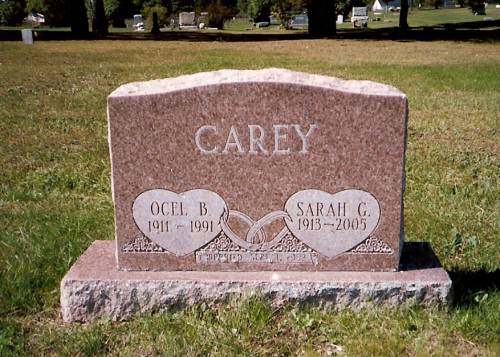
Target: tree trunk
155, 29
99, 21
321, 15
78, 17
403, 15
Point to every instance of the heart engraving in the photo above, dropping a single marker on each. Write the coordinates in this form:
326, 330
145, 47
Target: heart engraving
332, 224
179, 223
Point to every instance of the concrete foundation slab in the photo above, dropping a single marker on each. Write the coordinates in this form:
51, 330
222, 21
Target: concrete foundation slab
94, 287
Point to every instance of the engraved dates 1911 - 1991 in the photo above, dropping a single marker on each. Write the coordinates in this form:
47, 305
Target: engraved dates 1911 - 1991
179, 223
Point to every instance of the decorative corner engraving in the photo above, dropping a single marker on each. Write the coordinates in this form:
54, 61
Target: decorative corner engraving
221, 243
290, 243
142, 245
372, 245
287, 250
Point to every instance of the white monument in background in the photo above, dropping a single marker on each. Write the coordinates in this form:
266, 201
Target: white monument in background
379, 6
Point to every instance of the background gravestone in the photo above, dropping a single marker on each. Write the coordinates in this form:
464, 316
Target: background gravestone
257, 170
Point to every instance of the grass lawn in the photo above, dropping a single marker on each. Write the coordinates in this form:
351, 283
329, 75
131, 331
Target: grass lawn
416, 18
428, 17
55, 196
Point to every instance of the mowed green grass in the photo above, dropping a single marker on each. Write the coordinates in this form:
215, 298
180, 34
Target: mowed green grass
416, 18
428, 17
55, 196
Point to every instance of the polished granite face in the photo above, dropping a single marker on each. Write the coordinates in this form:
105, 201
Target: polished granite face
257, 170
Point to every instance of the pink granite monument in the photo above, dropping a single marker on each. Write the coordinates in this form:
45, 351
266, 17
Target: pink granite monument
256, 171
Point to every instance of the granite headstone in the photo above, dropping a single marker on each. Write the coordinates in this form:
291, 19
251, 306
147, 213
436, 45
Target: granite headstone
231, 184
258, 170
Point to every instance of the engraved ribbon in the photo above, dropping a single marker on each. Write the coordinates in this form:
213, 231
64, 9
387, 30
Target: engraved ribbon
255, 230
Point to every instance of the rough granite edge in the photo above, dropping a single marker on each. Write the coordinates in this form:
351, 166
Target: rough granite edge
85, 301
89, 293
269, 75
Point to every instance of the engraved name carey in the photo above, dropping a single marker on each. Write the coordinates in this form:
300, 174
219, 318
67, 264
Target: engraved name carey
256, 139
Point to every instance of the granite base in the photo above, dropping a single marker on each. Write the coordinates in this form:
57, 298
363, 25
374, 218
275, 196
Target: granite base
94, 287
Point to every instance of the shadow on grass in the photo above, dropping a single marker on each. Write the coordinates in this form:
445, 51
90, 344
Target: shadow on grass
469, 287
418, 255
467, 31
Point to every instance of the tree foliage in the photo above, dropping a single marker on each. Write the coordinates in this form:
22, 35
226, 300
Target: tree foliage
242, 6
36, 6
183, 5
99, 20
56, 13
219, 11
285, 9
12, 12
344, 7
112, 11
78, 17
260, 10
477, 7
161, 13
